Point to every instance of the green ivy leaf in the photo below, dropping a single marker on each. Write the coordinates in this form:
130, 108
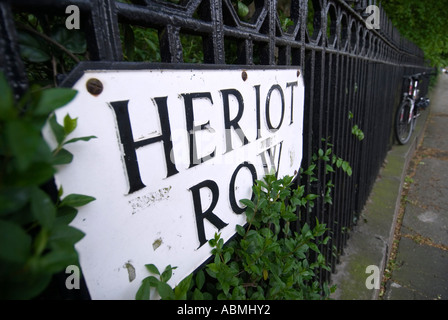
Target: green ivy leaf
27, 286
198, 295
346, 167
16, 243
243, 10
339, 162
62, 157
311, 197
314, 247
23, 140
52, 99
248, 203
43, 208
69, 124
40, 242
165, 291
35, 174
76, 200
167, 273
80, 139
13, 199
200, 279
6, 99
58, 260
32, 49
64, 237
65, 215
73, 40
321, 153
57, 129
240, 230
329, 168
180, 291
349, 171
152, 268
144, 290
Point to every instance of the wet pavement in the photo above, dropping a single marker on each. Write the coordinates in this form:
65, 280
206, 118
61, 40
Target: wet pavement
418, 267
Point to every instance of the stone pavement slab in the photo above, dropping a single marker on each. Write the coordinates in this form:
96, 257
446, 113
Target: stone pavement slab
420, 267
427, 202
419, 270
420, 273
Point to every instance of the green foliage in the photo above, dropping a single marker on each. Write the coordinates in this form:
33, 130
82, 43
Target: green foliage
357, 132
35, 238
424, 23
330, 160
161, 285
140, 44
47, 47
311, 19
285, 21
242, 8
272, 257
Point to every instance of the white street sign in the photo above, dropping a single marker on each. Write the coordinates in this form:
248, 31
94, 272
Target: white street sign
176, 150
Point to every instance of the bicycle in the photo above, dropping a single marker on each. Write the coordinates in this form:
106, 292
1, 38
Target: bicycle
409, 109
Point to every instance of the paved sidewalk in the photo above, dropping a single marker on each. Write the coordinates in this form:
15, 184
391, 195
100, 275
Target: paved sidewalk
419, 271
416, 232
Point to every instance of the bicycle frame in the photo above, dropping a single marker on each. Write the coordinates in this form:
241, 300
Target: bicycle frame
410, 106
412, 94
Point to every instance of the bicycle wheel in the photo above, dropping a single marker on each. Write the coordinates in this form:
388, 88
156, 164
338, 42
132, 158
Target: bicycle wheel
404, 126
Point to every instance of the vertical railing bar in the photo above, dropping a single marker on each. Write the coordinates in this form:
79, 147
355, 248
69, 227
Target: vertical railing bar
170, 44
103, 35
214, 43
339, 144
328, 95
346, 223
333, 136
353, 140
361, 163
309, 106
245, 52
272, 14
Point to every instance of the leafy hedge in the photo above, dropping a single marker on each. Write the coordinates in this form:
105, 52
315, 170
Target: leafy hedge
36, 240
274, 256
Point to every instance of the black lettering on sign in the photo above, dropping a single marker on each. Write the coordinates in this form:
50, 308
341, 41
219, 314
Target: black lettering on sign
129, 145
292, 85
228, 123
207, 214
232, 199
257, 105
189, 114
269, 161
268, 105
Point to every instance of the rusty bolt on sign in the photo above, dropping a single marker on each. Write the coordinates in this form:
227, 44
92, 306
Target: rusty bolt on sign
244, 75
94, 86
